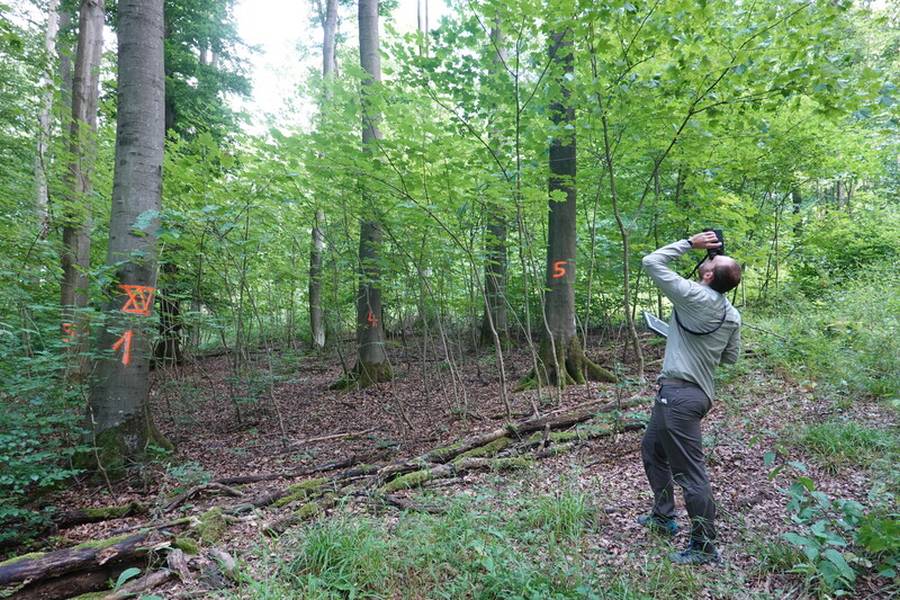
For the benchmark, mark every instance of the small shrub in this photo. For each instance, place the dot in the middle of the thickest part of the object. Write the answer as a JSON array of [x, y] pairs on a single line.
[[34, 458], [837, 539]]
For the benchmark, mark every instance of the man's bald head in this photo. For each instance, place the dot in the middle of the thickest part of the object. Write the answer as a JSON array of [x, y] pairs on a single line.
[[725, 273]]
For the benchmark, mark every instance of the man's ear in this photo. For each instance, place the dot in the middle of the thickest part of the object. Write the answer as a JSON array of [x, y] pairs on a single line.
[[708, 276]]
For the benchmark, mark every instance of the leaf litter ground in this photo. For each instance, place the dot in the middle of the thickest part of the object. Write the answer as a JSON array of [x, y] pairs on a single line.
[[430, 404]]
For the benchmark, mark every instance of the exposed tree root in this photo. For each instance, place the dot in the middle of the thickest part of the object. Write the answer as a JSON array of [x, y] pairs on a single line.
[[575, 367], [363, 375]]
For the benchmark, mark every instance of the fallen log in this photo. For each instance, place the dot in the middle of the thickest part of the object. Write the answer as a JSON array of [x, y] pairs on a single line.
[[71, 584], [417, 478], [84, 556], [80, 516], [143, 584], [345, 463], [519, 428]]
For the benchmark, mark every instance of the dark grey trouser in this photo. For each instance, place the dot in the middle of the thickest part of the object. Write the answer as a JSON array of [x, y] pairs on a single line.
[[672, 450]]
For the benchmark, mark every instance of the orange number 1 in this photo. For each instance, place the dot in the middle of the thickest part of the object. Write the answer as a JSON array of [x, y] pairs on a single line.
[[126, 340]]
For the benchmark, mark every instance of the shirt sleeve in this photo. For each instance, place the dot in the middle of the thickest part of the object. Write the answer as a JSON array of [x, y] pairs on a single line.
[[675, 287], [733, 348]]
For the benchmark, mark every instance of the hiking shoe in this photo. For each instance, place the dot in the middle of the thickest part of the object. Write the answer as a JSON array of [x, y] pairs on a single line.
[[695, 554], [655, 524]]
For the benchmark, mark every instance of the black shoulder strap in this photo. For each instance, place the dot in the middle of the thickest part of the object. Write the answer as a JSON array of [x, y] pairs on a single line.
[[715, 329]]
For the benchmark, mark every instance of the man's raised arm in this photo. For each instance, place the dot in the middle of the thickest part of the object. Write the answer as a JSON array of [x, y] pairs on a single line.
[[673, 285]]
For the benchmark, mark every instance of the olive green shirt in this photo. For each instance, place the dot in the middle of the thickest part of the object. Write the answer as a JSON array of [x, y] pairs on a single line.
[[688, 356]]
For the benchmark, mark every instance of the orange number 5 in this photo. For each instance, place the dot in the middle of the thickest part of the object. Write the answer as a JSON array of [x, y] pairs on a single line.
[[559, 269]]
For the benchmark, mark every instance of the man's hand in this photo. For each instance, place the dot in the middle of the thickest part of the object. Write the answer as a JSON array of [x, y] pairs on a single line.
[[704, 240]]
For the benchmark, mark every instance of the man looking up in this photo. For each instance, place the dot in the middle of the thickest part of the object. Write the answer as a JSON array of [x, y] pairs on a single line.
[[704, 332]]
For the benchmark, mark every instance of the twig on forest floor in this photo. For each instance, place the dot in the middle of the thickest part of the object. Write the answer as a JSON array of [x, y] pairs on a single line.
[[212, 485], [324, 438]]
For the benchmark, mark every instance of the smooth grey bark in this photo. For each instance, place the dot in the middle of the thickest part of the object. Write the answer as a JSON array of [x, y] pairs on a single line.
[[42, 200], [77, 217], [372, 363], [495, 235], [316, 315], [64, 54], [119, 393], [561, 352]]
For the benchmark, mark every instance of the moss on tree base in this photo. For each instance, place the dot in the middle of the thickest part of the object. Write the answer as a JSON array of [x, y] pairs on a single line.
[[118, 447], [575, 367], [363, 375]]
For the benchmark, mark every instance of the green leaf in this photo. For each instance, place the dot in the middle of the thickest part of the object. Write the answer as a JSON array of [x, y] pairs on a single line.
[[145, 219], [798, 540], [837, 559], [125, 575]]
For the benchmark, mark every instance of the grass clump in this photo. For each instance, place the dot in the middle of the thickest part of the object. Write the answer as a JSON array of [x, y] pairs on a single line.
[[345, 557], [836, 444], [564, 515]]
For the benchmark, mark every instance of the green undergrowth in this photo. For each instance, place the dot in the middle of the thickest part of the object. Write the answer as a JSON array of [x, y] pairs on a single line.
[[845, 340], [837, 444], [492, 544]]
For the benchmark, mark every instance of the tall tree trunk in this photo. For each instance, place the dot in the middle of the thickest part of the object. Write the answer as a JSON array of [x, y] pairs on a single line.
[[169, 347], [561, 352], [316, 316], [495, 236], [119, 409], [76, 253], [372, 363], [64, 54], [797, 201], [41, 200]]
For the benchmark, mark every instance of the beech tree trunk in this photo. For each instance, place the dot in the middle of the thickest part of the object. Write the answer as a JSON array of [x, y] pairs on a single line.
[[42, 201], [76, 253], [372, 363], [562, 357], [316, 316], [495, 236], [120, 416]]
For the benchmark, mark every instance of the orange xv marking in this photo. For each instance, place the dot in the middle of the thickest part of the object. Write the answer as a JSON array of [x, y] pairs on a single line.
[[371, 319], [140, 299], [68, 331], [125, 339], [559, 269]]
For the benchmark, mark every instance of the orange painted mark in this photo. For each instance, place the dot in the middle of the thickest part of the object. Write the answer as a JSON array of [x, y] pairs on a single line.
[[68, 332], [126, 340], [373, 322], [140, 299], [559, 269]]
